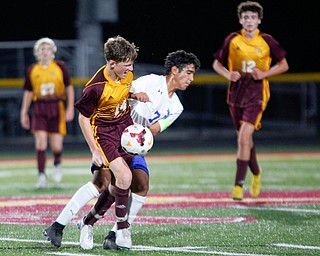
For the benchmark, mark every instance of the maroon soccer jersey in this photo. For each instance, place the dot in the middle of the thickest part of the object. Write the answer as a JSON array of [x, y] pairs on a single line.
[[242, 55], [47, 82], [48, 87], [105, 102]]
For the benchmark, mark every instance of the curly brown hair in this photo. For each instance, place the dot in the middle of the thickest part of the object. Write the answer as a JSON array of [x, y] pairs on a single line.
[[120, 50], [250, 6]]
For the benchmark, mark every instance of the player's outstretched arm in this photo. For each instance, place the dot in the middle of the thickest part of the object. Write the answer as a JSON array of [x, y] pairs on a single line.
[[140, 96]]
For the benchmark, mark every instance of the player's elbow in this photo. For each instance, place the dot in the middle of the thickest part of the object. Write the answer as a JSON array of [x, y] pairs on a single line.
[[215, 65], [284, 65]]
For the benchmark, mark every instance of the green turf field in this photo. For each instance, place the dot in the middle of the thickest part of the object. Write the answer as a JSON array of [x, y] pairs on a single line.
[[186, 192]]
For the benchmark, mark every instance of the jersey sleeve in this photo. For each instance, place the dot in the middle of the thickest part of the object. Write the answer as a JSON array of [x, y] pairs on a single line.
[[223, 52], [137, 114], [66, 76], [27, 82], [276, 51], [175, 111], [166, 122], [89, 99]]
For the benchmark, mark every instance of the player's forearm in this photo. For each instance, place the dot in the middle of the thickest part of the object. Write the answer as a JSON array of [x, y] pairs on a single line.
[[278, 69], [220, 69], [70, 96], [155, 128], [85, 126], [26, 102]]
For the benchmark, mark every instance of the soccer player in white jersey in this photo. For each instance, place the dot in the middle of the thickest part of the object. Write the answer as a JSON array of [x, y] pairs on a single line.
[[162, 109]]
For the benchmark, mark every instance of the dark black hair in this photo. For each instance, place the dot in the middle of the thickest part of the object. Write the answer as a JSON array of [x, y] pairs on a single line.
[[180, 59]]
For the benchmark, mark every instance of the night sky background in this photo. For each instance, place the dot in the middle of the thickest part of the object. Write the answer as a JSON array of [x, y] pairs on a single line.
[[162, 26]]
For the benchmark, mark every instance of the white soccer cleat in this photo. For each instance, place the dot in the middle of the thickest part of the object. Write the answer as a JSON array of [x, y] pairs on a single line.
[[57, 173], [42, 180], [86, 237], [123, 239]]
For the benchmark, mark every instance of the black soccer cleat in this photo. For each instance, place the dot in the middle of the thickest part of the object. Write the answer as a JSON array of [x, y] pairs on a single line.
[[54, 235], [109, 242]]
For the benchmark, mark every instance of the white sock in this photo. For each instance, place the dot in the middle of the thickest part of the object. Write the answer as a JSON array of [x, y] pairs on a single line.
[[136, 202], [84, 194]]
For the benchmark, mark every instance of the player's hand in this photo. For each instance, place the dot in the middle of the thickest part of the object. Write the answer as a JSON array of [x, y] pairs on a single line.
[[98, 159], [140, 96], [25, 121], [257, 74], [234, 76], [69, 114]]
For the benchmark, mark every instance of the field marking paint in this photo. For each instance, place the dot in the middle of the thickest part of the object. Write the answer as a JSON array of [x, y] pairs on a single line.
[[71, 254], [279, 209], [191, 249], [190, 157], [40, 210], [20, 219], [298, 246], [187, 249]]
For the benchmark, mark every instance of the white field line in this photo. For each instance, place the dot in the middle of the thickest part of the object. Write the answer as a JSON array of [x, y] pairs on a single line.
[[308, 247], [187, 249], [71, 254], [193, 250], [279, 209]]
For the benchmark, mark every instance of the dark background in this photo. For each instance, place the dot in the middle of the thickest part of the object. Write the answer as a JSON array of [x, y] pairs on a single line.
[[161, 26]]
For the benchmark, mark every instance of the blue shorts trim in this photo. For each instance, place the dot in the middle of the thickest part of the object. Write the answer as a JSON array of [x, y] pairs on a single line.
[[138, 162]]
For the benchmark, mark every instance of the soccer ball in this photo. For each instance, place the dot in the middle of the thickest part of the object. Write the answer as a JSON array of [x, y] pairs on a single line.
[[137, 139]]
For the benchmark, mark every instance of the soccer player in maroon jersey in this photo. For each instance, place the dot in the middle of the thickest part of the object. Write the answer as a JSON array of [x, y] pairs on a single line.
[[47, 85], [104, 114], [245, 59]]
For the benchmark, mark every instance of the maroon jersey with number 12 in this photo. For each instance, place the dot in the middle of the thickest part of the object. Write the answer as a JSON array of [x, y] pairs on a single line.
[[240, 54]]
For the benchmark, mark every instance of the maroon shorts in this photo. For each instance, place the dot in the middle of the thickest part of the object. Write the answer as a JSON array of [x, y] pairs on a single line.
[[251, 114], [109, 141], [49, 116]]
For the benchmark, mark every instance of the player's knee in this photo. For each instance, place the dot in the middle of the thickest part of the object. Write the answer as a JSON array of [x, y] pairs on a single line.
[[101, 185], [124, 180], [243, 141], [140, 189]]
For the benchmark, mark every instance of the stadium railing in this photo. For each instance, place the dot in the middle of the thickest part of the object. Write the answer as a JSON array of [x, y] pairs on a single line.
[[294, 104]]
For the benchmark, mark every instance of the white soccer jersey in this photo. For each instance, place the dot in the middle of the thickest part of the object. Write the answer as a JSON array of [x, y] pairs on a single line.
[[160, 105]]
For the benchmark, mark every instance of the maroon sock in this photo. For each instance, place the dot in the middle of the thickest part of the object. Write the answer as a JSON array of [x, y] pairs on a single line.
[[57, 158], [103, 203], [241, 172], [121, 206], [253, 162], [41, 160]]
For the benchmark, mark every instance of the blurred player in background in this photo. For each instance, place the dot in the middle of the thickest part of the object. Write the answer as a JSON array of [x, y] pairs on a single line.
[[163, 108], [47, 85], [104, 114], [245, 59]]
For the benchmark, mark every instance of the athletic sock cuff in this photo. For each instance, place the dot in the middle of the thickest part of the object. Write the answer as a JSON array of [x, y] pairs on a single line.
[[138, 198], [93, 189]]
